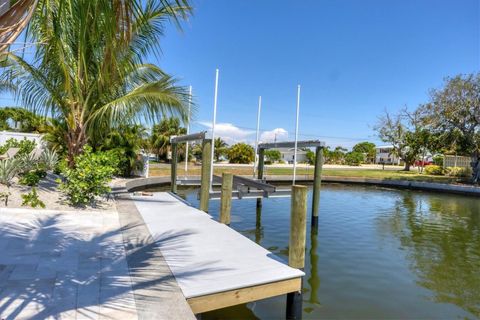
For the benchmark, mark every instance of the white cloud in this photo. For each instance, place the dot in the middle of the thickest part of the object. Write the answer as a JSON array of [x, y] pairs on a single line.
[[229, 132], [277, 134]]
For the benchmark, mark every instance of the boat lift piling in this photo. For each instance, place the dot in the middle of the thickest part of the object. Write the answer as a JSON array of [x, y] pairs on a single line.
[[296, 248], [206, 145], [317, 178]]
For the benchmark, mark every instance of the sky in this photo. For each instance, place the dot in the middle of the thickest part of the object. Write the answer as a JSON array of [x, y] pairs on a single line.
[[354, 59]]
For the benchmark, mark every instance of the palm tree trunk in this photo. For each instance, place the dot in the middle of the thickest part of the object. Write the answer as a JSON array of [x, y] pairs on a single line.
[[76, 140]]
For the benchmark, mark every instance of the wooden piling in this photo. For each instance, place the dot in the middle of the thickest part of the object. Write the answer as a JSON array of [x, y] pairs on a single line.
[[317, 183], [173, 170], [298, 227], [205, 177], [296, 249], [261, 165], [226, 198]]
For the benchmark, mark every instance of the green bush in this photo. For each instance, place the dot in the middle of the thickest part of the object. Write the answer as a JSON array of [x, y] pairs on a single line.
[[90, 176], [434, 170], [458, 172], [438, 160], [354, 158], [25, 146], [32, 178], [310, 157], [31, 199], [273, 155], [241, 153]]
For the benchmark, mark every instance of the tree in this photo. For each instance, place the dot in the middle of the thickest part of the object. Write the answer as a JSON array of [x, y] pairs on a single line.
[[89, 67], [241, 153], [273, 155], [311, 156], [366, 148], [22, 120], [454, 111], [354, 158], [161, 133], [221, 148], [127, 142], [404, 131]]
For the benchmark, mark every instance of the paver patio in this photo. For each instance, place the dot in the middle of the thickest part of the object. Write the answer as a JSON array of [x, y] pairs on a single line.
[[63, 265]]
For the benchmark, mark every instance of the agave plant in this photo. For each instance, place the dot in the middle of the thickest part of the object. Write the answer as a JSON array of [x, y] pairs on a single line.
[[49, 159], [26, 163], [89, 70], [8, 171]]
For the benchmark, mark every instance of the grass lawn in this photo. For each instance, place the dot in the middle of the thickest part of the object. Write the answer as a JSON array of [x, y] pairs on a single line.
[[363, 173]]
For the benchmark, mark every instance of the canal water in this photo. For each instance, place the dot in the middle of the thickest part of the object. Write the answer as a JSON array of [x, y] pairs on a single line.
[[379, 254]]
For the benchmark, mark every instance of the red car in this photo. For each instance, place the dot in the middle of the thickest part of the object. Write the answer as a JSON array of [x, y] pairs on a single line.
[[420, 163]]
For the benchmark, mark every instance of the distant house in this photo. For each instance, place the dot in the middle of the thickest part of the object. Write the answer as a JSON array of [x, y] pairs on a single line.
[[288, 155], [384, 155]]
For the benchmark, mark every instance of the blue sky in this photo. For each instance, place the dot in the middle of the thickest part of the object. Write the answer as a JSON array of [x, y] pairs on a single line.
[[353, 59]]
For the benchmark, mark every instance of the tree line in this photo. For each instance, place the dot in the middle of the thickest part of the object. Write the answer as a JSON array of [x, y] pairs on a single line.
[[448, 123]]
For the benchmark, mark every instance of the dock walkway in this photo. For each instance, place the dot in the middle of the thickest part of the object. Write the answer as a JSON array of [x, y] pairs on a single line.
[[214, 265]]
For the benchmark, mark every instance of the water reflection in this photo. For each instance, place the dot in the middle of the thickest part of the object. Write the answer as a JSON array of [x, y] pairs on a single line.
[[314, 278], [442, 238]]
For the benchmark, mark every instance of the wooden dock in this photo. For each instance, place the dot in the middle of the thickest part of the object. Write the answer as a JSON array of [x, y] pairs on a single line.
[[214, 266]]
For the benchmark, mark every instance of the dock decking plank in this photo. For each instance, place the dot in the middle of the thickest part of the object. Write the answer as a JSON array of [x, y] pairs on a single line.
[[207, 257]]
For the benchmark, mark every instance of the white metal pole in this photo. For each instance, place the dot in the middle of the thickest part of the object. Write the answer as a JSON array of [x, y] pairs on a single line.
[[188, 128], [213, 127], [296, 136], [256, 140]]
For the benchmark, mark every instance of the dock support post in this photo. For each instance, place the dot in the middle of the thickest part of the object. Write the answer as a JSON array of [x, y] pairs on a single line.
[[261, 164], [173, 170], [296, 251], [205, 188], [317, 183], [226, 198]]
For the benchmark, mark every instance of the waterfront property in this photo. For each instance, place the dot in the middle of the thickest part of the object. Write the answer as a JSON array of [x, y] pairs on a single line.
[[384, 154]]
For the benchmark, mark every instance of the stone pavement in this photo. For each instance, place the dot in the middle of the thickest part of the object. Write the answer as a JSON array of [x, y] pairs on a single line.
[[63, 265]]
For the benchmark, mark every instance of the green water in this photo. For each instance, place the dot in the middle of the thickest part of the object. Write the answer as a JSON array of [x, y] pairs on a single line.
[[378, 254]]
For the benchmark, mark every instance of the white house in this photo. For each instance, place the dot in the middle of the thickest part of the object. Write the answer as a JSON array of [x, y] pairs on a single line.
[[288, 155], [384, 155]]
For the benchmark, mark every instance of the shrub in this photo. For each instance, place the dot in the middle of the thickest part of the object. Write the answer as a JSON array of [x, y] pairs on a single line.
[[354, 158], [8, 170], [90, 176], [32, 178], [25, 146], [241, 153], [458, 172], [438, 160], [31, 199], [310, 157], [434, 170], [273, 155]]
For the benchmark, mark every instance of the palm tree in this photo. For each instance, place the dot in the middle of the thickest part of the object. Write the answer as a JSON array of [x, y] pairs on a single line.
[[89, 67], [220, 148], [161, 133], [128, 142]]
